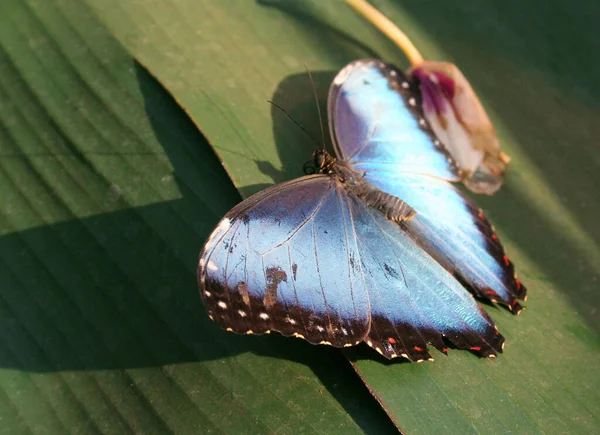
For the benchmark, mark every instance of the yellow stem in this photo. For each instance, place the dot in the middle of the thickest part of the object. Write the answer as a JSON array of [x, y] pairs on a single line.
[[381, 22]]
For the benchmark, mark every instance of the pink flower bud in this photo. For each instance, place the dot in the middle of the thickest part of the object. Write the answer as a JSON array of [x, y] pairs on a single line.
[[460, 122]]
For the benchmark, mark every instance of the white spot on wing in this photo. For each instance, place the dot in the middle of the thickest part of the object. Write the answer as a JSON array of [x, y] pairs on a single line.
[[412, 101], [212, 266], [222, 304], [263, 316], [343, 75], [207, 293], [241, 313]]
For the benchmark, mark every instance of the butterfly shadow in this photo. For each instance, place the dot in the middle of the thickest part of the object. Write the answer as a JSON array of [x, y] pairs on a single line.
[[296, 96], [118, 290], [296, 122]]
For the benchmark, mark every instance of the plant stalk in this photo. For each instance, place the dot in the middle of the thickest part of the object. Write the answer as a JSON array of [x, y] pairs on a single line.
[[388, 28]]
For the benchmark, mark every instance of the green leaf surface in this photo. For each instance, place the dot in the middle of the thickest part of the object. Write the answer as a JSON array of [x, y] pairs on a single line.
[[149, 356], [222, 60], [107, 193]]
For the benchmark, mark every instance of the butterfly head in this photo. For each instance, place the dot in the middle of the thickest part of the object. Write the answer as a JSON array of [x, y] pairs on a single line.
[[323, 161]]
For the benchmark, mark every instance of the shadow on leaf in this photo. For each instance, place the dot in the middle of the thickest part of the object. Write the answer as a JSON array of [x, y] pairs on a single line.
[[118, 290]]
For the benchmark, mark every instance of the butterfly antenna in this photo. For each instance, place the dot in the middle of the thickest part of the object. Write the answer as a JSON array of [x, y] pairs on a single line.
[[294, 121], [314, 88]]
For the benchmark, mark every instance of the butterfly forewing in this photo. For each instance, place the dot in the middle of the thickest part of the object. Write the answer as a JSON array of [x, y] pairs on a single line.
[[285, 263]]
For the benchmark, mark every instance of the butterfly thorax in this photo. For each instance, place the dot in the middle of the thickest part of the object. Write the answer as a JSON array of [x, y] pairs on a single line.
[[392, 207]]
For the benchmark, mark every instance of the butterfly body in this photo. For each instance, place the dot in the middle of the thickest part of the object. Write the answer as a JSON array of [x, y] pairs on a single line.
[[392, 207], [341, 258]]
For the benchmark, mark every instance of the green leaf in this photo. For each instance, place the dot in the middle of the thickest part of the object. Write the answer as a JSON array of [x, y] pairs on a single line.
[[222, 60], [107, 193], [100, 313]]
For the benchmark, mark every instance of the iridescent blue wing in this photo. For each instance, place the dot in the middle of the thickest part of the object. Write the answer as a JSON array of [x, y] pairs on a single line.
[[308, 258], [376, 124], [456, 233], [413, 300], [378, 130], [281, 260]]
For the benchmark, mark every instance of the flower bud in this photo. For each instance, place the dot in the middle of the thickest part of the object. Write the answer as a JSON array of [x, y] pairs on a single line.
[[460, 122]]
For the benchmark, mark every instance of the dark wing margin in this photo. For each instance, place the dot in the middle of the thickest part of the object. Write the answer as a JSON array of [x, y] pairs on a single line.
[[282, 261]]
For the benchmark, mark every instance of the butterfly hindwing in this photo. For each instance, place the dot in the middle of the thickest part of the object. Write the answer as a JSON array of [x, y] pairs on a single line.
[[414, 302], [380, 133], [456, 233], [309, 258]]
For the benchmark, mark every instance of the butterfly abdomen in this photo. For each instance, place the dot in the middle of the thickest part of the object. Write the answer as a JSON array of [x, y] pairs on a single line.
[[392, 207]]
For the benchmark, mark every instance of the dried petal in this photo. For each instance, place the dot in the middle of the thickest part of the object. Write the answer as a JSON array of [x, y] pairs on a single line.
[[459, 120]]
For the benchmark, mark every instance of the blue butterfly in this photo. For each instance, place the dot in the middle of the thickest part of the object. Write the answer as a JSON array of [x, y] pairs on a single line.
[[372, 248]]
